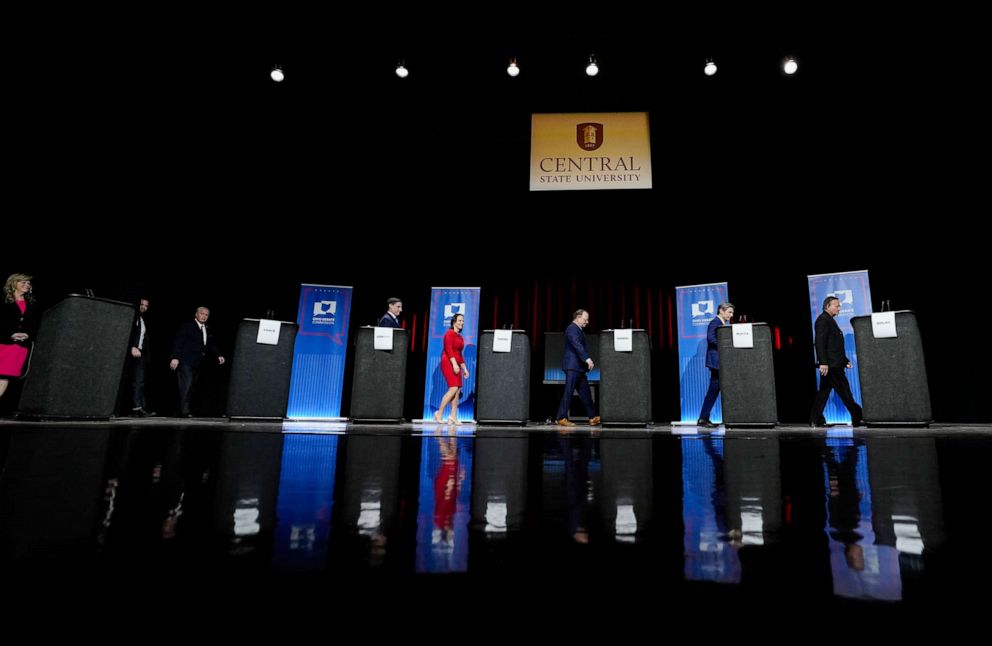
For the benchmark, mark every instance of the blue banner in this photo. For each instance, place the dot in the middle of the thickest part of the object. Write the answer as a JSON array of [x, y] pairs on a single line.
[[445, 303], [855, 300], [321, 347], [695, 307]]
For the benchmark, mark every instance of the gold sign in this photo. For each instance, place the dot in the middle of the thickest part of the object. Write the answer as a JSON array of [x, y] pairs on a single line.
[[575, 152]]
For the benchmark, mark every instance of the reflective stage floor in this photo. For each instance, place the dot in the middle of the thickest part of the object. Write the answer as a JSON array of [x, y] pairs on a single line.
[[885, 523]]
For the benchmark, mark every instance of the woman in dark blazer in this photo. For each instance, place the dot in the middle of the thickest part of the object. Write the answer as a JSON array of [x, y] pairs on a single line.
[[18, 316]]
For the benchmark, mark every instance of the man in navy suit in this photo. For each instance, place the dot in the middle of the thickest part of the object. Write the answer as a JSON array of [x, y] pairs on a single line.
[[724, 313], [576, 363], [193, 342], [392, 317], [832, 361]]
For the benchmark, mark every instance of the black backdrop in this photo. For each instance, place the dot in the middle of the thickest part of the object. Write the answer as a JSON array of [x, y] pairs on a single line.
[[187, 175]]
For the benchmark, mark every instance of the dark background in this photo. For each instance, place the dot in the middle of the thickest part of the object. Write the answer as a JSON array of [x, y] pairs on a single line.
[[169, 164]]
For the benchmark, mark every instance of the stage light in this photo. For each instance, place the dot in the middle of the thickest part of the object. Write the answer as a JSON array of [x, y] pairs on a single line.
[[276, 74], [592, 69], [513, 70], [710, 68], [790, 66]]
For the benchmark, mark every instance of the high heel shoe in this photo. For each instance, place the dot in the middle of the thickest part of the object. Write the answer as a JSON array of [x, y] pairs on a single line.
[[437, 417], [454, 420]]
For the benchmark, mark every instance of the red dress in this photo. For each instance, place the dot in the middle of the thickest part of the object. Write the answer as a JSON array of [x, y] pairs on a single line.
[[12, 356], [453, 344]]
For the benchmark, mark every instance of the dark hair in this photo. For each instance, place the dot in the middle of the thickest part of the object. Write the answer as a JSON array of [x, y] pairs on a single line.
[[455, 318], [394, 300], [577, 313], [826, 301]]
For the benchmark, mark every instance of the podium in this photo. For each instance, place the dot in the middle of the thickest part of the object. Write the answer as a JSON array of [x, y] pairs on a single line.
[[625, 380], [260, 372], [893, 374], [378, 389], [504, 379], [78, 359], [747, 379]]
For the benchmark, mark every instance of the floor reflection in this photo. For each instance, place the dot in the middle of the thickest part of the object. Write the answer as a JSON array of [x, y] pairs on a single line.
[[841, 516]]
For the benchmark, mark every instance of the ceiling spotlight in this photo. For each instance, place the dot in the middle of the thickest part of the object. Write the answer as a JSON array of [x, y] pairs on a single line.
[[401, 71], [513, 70], [592, 69], [790, 66], [276, 74], [710, 68]]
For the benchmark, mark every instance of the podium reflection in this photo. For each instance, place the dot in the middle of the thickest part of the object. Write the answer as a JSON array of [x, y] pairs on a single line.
[[370, 499]]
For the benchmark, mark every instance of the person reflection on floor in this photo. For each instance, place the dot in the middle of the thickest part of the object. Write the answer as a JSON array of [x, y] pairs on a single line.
[[576, 452], [843, 503], [447, 484]]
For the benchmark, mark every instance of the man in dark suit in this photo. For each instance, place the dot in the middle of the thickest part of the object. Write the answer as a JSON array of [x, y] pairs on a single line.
[[725, 312], [139, 344], [832, 361], [576, 363], [193, 342], [392, 317]]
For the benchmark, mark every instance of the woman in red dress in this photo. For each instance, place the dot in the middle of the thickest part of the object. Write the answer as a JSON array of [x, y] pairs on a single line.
[[16, 327], [453, 368]]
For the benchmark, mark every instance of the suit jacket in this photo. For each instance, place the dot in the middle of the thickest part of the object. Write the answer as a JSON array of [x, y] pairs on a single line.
[[387, 320], [12, 321], [712, 354], [189, 347], [576, 352], [829, 342]]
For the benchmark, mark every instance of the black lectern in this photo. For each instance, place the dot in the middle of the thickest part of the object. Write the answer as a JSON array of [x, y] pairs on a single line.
[[78, 359], [747, 378], [504, 379], [379, 386], [625, 380], [893, 374], [260, 372]]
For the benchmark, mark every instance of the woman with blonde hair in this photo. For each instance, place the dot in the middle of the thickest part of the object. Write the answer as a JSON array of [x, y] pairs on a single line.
[[17, 327]]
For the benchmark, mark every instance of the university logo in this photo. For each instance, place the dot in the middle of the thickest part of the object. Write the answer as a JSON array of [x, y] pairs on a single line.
[[589, 136]]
